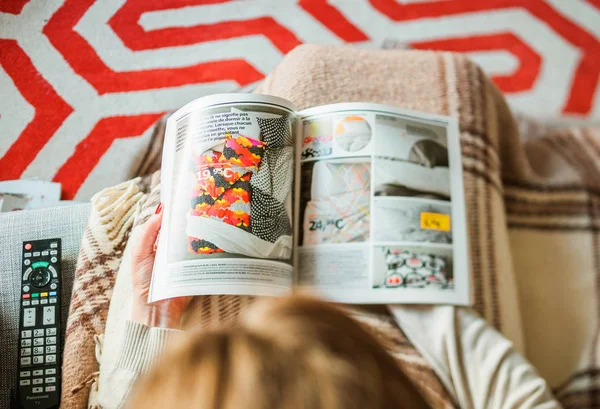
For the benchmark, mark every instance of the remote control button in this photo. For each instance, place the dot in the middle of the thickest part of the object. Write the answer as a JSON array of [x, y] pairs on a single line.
[[25, 351], [26, 295], [26, 303], [38, 390], [38, 332], [38, 342], [27, 273], [35, 295], [35, 302], [27, 262], [52, 300], [51, 332], [29, 317], [44, 301], [51, 341], [38, 350], [24, 382], [50, 359], [36, 254], [53, 245], [26, 361], [54, 259], [44, 295], [38, 381], [51, 371], [25, 374], [49, 315], [28, 246], [53, 252], [53, 271], [26, 289], [39, 372], [50, 388], [40, 264], [51, 379], [38, 359], [45, 253], [26, 333], [40, 277], [51, 349], [27, 255], [53, 287], [53, 293], [26, 342]]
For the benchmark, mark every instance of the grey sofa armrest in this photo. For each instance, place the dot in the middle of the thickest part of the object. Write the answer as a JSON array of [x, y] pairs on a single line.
[[66, 222]]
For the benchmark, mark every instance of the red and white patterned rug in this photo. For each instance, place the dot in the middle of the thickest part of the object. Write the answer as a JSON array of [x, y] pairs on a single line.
[[81, 82]]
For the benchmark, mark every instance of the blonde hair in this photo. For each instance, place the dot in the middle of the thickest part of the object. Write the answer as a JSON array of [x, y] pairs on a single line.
[[288, 353]]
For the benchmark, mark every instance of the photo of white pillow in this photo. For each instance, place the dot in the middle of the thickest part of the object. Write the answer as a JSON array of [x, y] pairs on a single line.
[[353, 133]]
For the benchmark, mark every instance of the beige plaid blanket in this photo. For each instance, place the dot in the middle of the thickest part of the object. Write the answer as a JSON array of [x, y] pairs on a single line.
[[533, 209]]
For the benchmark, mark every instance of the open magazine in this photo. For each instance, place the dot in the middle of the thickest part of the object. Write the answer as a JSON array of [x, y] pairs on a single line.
[[354, 202]]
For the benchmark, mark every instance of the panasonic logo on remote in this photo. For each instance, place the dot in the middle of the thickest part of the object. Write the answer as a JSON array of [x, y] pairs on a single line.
[[37, 397]]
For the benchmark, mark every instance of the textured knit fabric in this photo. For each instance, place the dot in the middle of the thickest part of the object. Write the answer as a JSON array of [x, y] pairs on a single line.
[[556, 219], [140, 349], [112, 216], [222, 190], [273, 182], [120, 305], [276, 173], [270, 219], [65, 222], [275, 132]]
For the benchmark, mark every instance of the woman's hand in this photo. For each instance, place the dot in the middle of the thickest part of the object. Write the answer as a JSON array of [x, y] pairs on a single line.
[[166, 313]]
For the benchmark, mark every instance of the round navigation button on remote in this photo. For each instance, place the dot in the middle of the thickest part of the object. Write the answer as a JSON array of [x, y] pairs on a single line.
[[40, 277], [54, 259], [26, 289], [53, 286], [27, 262], [28, 246]]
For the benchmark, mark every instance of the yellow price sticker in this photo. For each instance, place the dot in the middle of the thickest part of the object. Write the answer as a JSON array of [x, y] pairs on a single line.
[[435, 221]]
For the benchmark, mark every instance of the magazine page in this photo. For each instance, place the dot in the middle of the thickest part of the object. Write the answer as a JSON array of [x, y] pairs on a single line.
[[226, 188], [381, 212]]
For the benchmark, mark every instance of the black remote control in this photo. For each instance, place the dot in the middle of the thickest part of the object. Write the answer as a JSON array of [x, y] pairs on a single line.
[[38, 376]]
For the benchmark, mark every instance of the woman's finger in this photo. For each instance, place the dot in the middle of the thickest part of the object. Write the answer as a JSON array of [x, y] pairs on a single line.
[[155, 246], [149, 233]]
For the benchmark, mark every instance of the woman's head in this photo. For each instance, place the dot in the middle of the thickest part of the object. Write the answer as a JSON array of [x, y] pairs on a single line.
[[287, 353]]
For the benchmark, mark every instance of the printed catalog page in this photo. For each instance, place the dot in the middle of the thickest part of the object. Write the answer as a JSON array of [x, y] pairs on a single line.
[[381, 206], [227, 179]]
